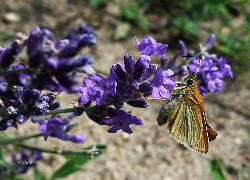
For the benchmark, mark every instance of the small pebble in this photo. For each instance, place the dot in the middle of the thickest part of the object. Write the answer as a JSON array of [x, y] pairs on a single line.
[[12, 17]]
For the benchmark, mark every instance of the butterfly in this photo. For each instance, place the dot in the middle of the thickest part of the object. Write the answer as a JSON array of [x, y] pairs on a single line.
[[185, 116]]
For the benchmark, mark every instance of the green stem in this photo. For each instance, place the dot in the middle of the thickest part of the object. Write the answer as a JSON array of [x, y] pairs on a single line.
[[14, 71], [68, 110], [63, 152], [11, 72], [59, 111], [101, 72], [7, 141], [36, 148]]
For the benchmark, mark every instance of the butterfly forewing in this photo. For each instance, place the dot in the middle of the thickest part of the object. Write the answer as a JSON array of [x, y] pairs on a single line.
[[202, 145], [168, 112], [178, 114]]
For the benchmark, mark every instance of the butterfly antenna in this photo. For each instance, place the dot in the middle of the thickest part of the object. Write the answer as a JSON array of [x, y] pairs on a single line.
[[198, 65], [167, 59], [174, 58], [195, 72]]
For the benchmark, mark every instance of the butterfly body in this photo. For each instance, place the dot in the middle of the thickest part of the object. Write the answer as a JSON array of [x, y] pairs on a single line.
[[185, 116]]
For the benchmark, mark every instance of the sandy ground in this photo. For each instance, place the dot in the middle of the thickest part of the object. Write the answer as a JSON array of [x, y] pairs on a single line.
[[150, 152]]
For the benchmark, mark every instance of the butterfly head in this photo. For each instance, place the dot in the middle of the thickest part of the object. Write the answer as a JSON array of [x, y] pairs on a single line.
[[190, 78], [187, 80]]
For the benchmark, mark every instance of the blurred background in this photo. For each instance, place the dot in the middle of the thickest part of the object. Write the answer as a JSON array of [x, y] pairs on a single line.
[[150, 152]]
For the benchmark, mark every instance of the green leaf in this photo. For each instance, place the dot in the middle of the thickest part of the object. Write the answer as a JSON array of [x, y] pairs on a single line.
[[9, 167], [226, 50], [73, 164], [216, 170], [38, 175], [248, 138], [96, 3], [183, 25], [3, 136], [4, 163], [142, 22], [1, 154]]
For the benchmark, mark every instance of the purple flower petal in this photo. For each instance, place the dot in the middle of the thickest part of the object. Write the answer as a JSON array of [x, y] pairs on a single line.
[[167, 73], [149, 46], [59, 133], [157, 79], [47, 134], [103, 96], [80, 139], [99, 79], [164, 93], [161, 49], [85, 98], [43, 127], [122, 120]]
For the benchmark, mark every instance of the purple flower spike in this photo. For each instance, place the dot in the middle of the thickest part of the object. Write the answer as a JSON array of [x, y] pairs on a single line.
[[121, 74], [26, 160], [7, 57], [183, 48], [149, 46], [129, 63], [162, 84], [34, 40], [210, 40], [53, 128], [122, 120]]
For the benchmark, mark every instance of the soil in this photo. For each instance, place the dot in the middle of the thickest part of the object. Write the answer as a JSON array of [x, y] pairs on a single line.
[[150, 152]]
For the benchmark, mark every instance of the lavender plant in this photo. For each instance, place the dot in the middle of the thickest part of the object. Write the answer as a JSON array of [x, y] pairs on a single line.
[[29, 87]]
